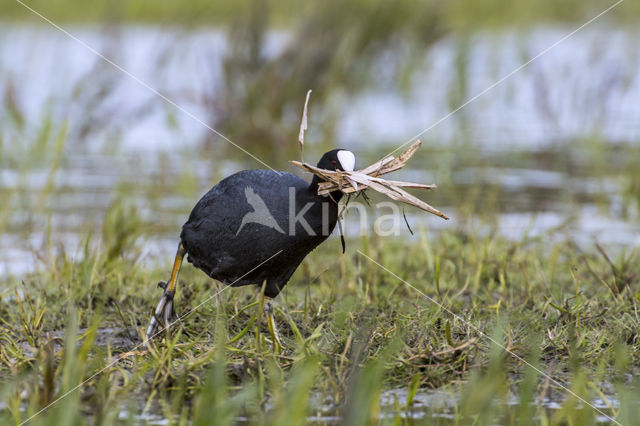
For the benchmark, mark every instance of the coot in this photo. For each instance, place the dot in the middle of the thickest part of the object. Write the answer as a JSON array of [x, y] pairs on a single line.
[[255, 227]]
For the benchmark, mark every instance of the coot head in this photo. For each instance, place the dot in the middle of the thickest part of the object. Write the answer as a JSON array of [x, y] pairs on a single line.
[[336, 159]]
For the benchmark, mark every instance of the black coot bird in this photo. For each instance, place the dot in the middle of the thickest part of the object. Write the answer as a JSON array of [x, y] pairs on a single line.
[[255, 227]]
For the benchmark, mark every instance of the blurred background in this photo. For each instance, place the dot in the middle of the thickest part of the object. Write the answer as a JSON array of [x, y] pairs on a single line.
[[87, 154]]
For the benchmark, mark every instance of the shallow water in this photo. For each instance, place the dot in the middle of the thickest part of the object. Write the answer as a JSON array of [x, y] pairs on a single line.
[[437, 405], [587, 85]]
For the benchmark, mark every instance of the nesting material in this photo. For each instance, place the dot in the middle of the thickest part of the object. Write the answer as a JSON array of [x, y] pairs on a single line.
[[369, 178]]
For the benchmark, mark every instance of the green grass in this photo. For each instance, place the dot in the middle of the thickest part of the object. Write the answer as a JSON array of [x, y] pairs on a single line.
[[350, 331], [70, 331], [456, 13]]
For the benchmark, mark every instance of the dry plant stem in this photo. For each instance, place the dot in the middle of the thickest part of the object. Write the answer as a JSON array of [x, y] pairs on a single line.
[[369, 178]]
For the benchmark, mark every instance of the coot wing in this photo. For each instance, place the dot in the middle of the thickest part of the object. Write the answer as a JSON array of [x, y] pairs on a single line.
[[229, 232]]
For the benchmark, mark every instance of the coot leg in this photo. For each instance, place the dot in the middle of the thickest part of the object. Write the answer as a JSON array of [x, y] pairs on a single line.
[[271, 324], [164, 313]]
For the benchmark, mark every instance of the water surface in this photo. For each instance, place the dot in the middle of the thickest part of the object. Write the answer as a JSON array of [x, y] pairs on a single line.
[[553, 145]]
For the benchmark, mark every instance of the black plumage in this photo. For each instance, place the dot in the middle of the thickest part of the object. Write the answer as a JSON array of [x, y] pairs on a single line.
[[253, 227], [215, 246]]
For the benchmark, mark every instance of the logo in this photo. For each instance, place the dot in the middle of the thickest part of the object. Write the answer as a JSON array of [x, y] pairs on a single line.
[[384, 224], [260, 213]]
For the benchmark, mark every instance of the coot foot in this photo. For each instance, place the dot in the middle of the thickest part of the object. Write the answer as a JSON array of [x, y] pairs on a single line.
[[164, 315]]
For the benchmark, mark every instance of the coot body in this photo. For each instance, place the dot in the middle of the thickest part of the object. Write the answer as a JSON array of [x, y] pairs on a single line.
[[223, 245]]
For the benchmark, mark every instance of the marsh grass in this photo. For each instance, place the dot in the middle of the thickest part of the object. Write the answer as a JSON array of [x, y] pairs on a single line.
[[350, 331]]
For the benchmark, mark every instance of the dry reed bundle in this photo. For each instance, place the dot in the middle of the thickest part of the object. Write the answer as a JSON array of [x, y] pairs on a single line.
[[369, 177]]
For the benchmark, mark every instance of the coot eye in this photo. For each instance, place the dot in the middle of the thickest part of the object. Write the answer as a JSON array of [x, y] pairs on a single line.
[[334, 162]]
